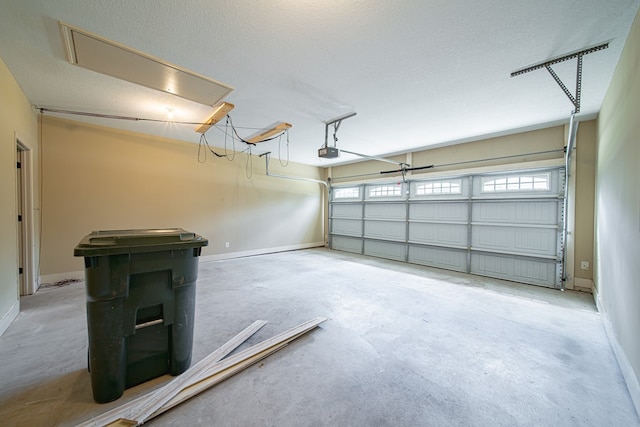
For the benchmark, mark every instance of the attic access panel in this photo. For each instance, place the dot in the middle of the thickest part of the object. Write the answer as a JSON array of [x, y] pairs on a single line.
[[107, 57]]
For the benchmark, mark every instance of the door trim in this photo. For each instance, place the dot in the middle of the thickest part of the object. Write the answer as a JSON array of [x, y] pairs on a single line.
[[28, 223]]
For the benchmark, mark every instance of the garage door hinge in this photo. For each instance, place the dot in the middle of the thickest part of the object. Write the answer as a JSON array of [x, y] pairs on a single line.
[[19, 165], [19, 218], [20, 270]]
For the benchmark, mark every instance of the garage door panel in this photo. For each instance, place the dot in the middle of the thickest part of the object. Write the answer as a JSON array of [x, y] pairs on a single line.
[[439, 212], [439, 234], [535, 272], [389, 250], [350, 227], [503, 224], [346, 210], [525, 241], [346, 244], [385, 211], [517, 212], [385, 230], [438, 257]]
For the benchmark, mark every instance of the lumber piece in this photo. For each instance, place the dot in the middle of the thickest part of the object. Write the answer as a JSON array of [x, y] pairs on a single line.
[[214, 379], [165, 393], [123, 413], [236, 363]]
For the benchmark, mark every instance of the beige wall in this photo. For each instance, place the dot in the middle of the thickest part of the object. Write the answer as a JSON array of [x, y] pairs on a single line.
[[501, 148], [17, 119], [98, 178], [456, 157], [617, 273], [585, 175]]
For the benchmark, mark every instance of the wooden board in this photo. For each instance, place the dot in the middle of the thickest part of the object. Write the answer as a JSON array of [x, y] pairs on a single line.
[[229, 367], [226, 368], [205, 374], [126, 411]]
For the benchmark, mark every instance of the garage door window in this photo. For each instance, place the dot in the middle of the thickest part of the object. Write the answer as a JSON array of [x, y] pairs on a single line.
[[439, 187], [385, 191], [346, 193], [515, 183]]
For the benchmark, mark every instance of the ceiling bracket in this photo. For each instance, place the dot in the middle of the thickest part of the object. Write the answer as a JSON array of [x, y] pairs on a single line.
[[575, 99], [336, 125], [333, 152]]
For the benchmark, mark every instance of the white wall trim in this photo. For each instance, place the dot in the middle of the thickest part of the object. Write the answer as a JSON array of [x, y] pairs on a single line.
[[631, 380], [6, 320], [29, 217], [231, 255], [53, 278], [79, 275]]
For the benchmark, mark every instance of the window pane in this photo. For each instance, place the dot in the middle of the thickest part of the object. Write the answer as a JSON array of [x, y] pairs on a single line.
[[516, 183], [346, 193], [385, 191], [438, 187]]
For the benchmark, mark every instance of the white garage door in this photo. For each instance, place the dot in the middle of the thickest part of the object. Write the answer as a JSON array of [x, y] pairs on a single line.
[[506, 225]]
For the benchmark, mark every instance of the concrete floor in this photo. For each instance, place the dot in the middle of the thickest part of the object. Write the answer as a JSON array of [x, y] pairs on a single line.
[[404, 346]]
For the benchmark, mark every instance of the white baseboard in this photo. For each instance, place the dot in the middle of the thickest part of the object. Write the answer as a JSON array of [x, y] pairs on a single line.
[[79, 275], [241, 254], [9, 317], [630, 377], [58, 277]]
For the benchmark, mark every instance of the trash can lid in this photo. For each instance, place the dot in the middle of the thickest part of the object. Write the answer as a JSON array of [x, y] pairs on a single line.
[[111, 242]]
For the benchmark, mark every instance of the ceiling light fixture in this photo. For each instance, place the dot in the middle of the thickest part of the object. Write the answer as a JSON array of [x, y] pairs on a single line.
[[219, 113], [268, 133]]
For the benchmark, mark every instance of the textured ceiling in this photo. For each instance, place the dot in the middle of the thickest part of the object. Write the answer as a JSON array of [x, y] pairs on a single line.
[[418, 73]]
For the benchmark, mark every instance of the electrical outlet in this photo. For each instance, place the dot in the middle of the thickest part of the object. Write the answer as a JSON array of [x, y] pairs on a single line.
[[226, 244], [584, 265]]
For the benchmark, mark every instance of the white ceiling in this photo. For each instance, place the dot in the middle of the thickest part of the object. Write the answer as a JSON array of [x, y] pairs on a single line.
[[418, 73]]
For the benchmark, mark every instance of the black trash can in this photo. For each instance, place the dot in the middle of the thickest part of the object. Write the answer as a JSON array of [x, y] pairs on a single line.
[[140, 287]]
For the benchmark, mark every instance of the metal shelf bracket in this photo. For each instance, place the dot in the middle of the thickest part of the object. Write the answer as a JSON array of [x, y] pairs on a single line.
[[575, 99]]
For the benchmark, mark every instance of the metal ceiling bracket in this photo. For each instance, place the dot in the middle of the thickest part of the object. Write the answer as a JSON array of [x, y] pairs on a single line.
[[336, 125], [575, 100]]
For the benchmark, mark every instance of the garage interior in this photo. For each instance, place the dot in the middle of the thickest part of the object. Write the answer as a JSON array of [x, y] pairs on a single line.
[[404, 345], [470, 232]]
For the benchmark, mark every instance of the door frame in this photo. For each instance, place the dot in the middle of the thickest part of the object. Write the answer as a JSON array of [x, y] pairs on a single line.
[[29, 282]]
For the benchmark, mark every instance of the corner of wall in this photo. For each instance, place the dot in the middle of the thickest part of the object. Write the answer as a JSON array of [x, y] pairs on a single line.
[[630, 378], [9, 317]]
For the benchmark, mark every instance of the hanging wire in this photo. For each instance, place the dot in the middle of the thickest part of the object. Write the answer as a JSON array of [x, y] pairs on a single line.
[[233, 141], [285, 164], [244, 140], [202, 153], [204, 143], [249, 166]]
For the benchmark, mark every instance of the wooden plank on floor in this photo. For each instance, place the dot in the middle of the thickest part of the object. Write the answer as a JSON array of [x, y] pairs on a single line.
[[231, 366], [124, 412], [163, 394], [234, 364]]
